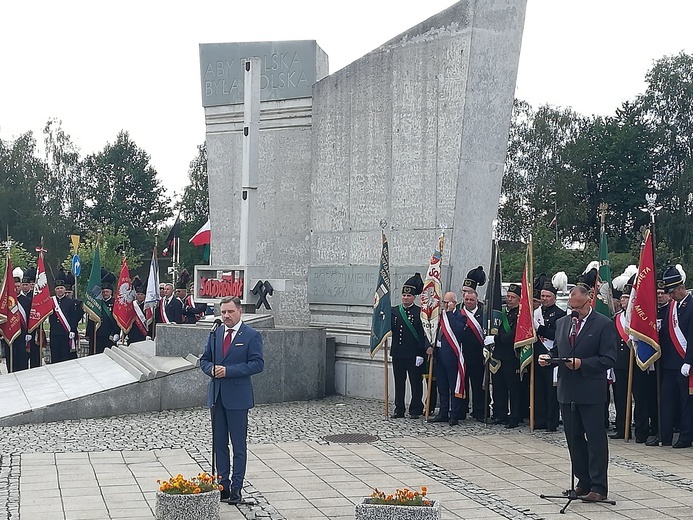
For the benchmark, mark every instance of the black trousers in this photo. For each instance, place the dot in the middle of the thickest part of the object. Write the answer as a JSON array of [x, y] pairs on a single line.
[[645, 397], [506, 383], [545, 398], [445, 367], [60, 349], [675, 396], [587, 444], [474, 384], [401, 369], [20, 357]]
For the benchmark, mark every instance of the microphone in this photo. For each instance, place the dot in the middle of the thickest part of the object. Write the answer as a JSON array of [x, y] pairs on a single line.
[[573, 323], [217, 322]]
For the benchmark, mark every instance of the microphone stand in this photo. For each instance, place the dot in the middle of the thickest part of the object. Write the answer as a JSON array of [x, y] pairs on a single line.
[[212, 336]]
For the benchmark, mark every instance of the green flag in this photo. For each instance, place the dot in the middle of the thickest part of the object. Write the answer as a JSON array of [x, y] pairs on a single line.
[[604, 301], [381, 327], [92, 301]]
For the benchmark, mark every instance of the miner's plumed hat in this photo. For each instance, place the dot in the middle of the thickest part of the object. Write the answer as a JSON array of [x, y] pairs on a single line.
[[139, 285], [413, 285], [69, 280], [183, 279], [17, 274], [588, 279], [474, 278], [539, 285], [672, 278], [59, 280], [629, 286], [515, 288], [107, 279], [29, 275]]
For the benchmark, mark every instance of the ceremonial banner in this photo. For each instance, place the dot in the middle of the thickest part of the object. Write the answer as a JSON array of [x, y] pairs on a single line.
[[10, 316], [525, 335], [41, 303], [152, 296], [431, 295], [494, 305], [92, 300], [603, 297], [123, 312], [203, 235], [171, 238], [381, 327], [641, 315]]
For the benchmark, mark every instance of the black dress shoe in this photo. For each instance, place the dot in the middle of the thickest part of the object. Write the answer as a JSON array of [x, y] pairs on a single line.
[[225, 494], [640, 440], [439, 418], [511, 425], [397, 416], [235, 497], [654, 441], [682, 444], [453, 422], [552, 429], [500, 421], [617, 435], [414, 416]]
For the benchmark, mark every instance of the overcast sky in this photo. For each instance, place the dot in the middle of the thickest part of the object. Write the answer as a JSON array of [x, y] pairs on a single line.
[[105, 66]]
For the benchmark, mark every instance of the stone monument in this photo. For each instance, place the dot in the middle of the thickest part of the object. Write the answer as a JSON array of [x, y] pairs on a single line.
[[413, 133]]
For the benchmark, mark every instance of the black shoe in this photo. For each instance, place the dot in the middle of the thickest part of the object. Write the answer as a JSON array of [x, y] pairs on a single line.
[[539, 426], [439, 418], [453, 422], [397, 416], [682, 444], [235, 497], [414, 416], [552, 429], [654, 441], [640, 440], [225, 494], [617, 435], [511, 425], [500, 421]]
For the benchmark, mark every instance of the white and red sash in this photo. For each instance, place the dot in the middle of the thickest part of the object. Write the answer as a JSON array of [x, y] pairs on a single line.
[[621, 327], [476, 326], [677, 337], [63, 321], [162, 311], [455, 346], [140, 319]]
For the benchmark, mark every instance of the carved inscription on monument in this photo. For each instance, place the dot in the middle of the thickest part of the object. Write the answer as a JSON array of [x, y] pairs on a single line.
[[288, 70], [355, 284]]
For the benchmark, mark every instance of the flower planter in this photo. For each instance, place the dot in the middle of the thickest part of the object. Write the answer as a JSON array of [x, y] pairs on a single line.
[[368, 511], [203, 506]]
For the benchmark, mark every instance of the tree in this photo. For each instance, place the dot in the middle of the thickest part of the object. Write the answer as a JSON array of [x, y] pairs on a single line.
[[123, 192], [19, 255], [194, 209]]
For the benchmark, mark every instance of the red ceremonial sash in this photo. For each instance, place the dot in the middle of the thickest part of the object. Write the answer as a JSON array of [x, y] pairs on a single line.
[[621, 327], [140, 320], [63, 321], [452, 341], [476, 327], [162, 311], [677, 338]]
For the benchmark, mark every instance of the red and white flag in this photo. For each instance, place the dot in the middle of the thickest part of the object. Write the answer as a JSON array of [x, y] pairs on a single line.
[[123, 312], [203, 235], [41, 303], [431, 295], [10, 314]]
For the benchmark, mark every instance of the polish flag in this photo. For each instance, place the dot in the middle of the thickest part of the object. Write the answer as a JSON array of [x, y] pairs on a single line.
[[203, 235]]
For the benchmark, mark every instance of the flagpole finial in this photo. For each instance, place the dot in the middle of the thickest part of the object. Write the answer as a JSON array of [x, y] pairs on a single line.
[[603, 206], [383, 224]]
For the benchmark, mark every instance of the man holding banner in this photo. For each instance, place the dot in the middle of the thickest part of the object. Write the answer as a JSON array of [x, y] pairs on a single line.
[[64, 336]]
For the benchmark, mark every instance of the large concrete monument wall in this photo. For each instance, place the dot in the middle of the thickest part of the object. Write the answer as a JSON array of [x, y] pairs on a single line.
[[413, 134]]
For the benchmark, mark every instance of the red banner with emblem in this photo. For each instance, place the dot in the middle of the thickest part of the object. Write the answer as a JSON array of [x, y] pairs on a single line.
[[10, 315], [41, 303]]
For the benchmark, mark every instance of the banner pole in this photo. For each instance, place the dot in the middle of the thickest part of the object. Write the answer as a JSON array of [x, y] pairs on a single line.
[[531, 365], [387, 369]]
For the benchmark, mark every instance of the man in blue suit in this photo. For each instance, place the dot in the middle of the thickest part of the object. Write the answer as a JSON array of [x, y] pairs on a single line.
[[233, 354]]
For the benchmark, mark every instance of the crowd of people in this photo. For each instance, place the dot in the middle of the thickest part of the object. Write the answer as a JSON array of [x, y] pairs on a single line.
[[63, 334]]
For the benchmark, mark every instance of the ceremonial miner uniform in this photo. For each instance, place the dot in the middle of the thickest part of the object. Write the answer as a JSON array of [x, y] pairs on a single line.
[[63, 321], [408, 349]]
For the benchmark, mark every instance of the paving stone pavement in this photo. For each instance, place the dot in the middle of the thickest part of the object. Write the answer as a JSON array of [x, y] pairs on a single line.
[[107, 468]]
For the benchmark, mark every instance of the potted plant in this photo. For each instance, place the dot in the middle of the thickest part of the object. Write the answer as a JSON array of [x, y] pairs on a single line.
[[193, 499], [404, 504]]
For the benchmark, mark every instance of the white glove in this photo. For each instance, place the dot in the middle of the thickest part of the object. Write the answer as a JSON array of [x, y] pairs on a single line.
[[487, 353], [71, 335], [536, 324], [27, 337], [419, 361], [489, 340], [685, 370], [116, 337], [148, 338]]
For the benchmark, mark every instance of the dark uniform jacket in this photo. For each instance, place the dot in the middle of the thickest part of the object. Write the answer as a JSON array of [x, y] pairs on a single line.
[[504, 349], [551, 316], [472, 346], [404, 343], [108, 326], [72, 309], [174, 310], [191, 313], [135, 333], [670, 357], [595, 345]]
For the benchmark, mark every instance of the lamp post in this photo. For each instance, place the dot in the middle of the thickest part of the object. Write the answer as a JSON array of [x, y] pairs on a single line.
[[555, 213]]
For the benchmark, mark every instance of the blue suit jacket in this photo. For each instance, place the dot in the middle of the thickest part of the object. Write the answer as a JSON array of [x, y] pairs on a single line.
[[243, 359]]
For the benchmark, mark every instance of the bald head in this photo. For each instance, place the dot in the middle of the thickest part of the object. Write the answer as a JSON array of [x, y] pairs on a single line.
[[449, 301]]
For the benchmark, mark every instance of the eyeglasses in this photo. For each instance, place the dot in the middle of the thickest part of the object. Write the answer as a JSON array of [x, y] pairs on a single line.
[[448, 301]]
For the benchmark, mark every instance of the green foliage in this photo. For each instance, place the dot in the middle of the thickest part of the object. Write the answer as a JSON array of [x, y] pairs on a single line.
[[194, 210], [19, 255], [112, 246]]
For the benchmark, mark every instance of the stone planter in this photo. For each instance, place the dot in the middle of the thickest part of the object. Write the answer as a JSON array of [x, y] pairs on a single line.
[[203, 506], [367, 511]]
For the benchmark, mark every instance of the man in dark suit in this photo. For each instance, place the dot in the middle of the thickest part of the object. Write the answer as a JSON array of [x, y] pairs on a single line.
[[408, 348], [170, 309], [506, 380], [64, 336], [232, 355], [589, 339]]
